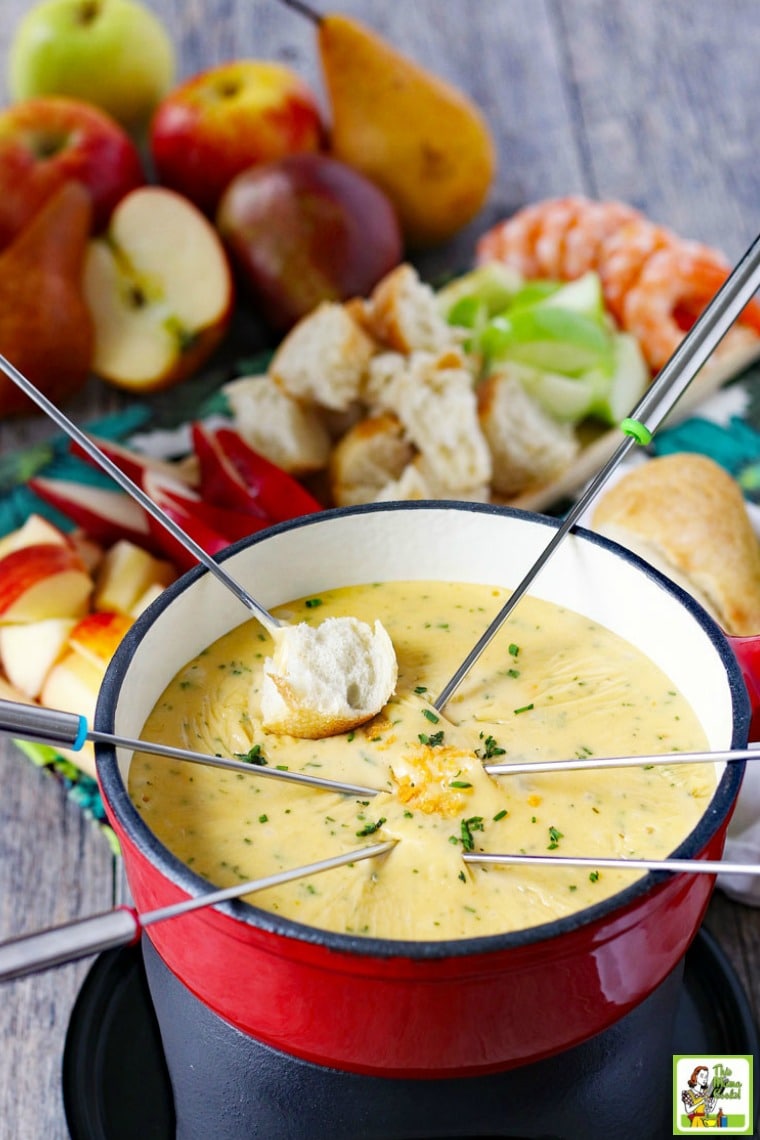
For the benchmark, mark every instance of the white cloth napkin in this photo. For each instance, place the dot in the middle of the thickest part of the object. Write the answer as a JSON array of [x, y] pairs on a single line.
[[743, 839]]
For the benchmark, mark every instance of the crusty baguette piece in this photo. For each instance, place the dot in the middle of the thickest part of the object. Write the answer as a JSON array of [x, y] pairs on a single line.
[[402, 314], [368, 457], [685, 515], [326, 679], [283, 430], [323, 358]]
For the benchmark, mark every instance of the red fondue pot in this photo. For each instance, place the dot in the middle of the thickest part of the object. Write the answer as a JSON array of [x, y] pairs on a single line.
[[425, 1009]]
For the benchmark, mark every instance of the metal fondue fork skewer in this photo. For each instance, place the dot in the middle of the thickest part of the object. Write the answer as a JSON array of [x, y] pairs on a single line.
[[669, 385], [675, 866], [122, 926], [52, 726], [69, 730], [269, 621]]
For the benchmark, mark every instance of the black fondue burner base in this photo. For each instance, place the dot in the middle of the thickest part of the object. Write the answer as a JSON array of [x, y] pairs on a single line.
[[116, 1082]]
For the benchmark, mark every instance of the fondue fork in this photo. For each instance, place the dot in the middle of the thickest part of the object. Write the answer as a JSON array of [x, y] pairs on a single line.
[[122, 926], [675, 866], [69, 730], [269, 621], [639, 427]]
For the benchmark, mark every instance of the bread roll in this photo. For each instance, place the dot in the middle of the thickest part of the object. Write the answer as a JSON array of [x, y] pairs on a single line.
[[686, 516]]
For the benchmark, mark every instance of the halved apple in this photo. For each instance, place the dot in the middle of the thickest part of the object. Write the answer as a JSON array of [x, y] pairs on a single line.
[[43, 581], [28, 652], [160, 290], [125, 574]]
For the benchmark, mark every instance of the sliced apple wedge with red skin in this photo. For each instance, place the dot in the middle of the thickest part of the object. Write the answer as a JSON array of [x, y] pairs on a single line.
[[97, 636], [213, 528], [131, 463], [280, 495], [48, 580], [29, 651], [34, 530], [105, 515], [220, 481]]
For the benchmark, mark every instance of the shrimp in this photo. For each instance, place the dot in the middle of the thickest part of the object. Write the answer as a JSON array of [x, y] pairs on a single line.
[[674, 286], [558, 238], [559, 218], [622, 256], [513, 241], [592, 228]]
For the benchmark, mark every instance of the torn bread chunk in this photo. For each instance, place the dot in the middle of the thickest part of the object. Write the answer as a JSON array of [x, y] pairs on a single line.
[[324, 358], [435, 401], [326, 679], [402, 313], [368, 457], [410, 486], [528, 446], [283, 430]]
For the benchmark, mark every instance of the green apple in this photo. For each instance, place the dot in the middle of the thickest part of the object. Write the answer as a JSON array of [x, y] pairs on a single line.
[[566, 398], [113, 53], [555, 339], [619, 388]]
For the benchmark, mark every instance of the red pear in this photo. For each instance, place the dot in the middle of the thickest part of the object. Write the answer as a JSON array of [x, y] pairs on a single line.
[[46, 330]]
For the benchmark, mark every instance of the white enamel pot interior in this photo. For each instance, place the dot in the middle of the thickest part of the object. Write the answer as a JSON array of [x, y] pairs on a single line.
[[486, 1003]]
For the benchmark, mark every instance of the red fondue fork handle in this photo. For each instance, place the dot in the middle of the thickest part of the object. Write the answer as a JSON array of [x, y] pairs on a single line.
[[122, 926]]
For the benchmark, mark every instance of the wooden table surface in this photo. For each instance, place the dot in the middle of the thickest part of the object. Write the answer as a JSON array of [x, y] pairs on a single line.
[[653, 103]]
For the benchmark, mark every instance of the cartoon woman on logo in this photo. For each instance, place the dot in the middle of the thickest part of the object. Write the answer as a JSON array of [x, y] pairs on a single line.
[[698, 1100]]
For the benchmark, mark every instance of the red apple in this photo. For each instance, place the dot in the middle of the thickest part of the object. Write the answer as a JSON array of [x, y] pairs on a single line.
[[106, 516], [34, 530], [73, 685], [47, 580], [47, 141], [97, 636], [133, 463], [159, 287], [28, 652], [124, 575], [306, 229], [220, 122]]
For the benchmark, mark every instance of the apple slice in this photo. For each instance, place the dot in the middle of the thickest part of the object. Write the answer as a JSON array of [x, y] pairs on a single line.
[[125, 574], [146, 600], [97, 636], [159, 287], [28, 652], [106, 516], [43, 581], [73, 685], [90, 551], [132, 463], [34, 530], [212, 528]]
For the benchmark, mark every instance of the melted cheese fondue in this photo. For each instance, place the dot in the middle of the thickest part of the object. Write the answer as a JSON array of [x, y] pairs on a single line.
[[552, 684]]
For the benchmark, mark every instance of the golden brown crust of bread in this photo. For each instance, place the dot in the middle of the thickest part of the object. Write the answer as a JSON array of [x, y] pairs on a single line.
[[687, 512]]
